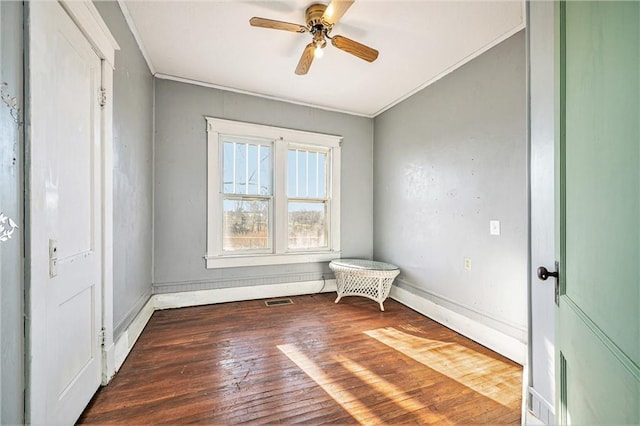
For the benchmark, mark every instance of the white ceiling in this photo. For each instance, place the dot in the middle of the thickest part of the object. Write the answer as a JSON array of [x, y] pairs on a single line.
[[211, 42]]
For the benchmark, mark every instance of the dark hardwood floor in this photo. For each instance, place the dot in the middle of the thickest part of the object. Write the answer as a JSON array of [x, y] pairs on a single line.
[[310, 362]]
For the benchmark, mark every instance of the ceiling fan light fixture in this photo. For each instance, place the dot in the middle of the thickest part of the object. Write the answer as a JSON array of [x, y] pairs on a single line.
[[319, 43]]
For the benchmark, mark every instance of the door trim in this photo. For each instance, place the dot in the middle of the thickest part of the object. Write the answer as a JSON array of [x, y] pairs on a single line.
[[88, 19]]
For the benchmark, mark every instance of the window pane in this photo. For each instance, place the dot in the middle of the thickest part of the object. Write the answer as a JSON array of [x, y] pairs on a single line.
[[265, 170], [240, 168], [292, 173], [313, 175], [306, 174], [245, 225], [247, 168], [307, 225], [252, 170], [227, 176], [303, 177], [322, 183]]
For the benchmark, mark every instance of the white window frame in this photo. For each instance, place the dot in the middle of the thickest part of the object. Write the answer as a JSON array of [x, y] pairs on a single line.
[[282, 139]]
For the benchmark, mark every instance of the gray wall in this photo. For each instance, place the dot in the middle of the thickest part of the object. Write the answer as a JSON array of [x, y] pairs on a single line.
[[181, 178], [447, 161], [543, 252], [11, 171], [132, 174]]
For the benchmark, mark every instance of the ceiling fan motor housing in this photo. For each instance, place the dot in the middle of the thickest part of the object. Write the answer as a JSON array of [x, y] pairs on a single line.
[[313, 15]]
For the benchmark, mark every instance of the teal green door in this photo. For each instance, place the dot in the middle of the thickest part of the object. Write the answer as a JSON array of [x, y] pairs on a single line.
[[598, 343]]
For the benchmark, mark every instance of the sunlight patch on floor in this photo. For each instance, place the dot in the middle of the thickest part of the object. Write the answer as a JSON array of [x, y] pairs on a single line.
[[392, 392], [346, 399], [464, 365]]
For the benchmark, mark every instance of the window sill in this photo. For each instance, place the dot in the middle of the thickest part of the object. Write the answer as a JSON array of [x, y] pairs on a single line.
[[213, 262]]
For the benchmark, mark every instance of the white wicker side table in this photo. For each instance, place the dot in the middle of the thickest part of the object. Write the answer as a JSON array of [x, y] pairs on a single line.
[[367, 278]]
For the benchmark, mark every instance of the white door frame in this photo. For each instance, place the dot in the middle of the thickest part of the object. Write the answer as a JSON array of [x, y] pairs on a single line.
[[86, 17], [540, 396]]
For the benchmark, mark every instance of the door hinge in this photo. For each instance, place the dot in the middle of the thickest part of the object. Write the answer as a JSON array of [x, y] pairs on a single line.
[[102, 97], [102, 336]]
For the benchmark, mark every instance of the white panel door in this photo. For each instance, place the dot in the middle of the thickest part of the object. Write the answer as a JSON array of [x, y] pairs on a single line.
[[64, 205]]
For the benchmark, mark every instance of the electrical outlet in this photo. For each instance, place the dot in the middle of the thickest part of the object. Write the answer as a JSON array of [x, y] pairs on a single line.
[[467, 263]]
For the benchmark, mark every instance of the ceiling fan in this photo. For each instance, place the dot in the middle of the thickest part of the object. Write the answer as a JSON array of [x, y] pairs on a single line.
[[320, 19]]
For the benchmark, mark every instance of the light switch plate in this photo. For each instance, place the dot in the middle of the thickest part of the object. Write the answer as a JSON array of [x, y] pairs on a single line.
[[494, 227], [53, 258]]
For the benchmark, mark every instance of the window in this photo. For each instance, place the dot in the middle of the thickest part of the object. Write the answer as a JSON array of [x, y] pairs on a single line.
[[273, 195], [307, 199], [247, 194]]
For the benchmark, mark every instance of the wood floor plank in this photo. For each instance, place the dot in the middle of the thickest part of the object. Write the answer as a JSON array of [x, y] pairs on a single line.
[[310, 362]]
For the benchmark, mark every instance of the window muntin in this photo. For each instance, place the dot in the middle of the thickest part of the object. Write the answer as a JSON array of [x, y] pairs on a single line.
[[254, 215]]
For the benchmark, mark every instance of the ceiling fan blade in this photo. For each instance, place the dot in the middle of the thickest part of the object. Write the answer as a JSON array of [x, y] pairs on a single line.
[[277, 25], [355, 48], [335, 10], [305, 60]]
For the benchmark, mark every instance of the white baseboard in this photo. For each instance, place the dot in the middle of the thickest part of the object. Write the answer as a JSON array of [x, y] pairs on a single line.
[[495, 340], [129, 337], [119, 351], [236, 294]]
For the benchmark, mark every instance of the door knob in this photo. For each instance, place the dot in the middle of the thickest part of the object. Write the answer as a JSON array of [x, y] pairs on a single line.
[[543, 273]]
